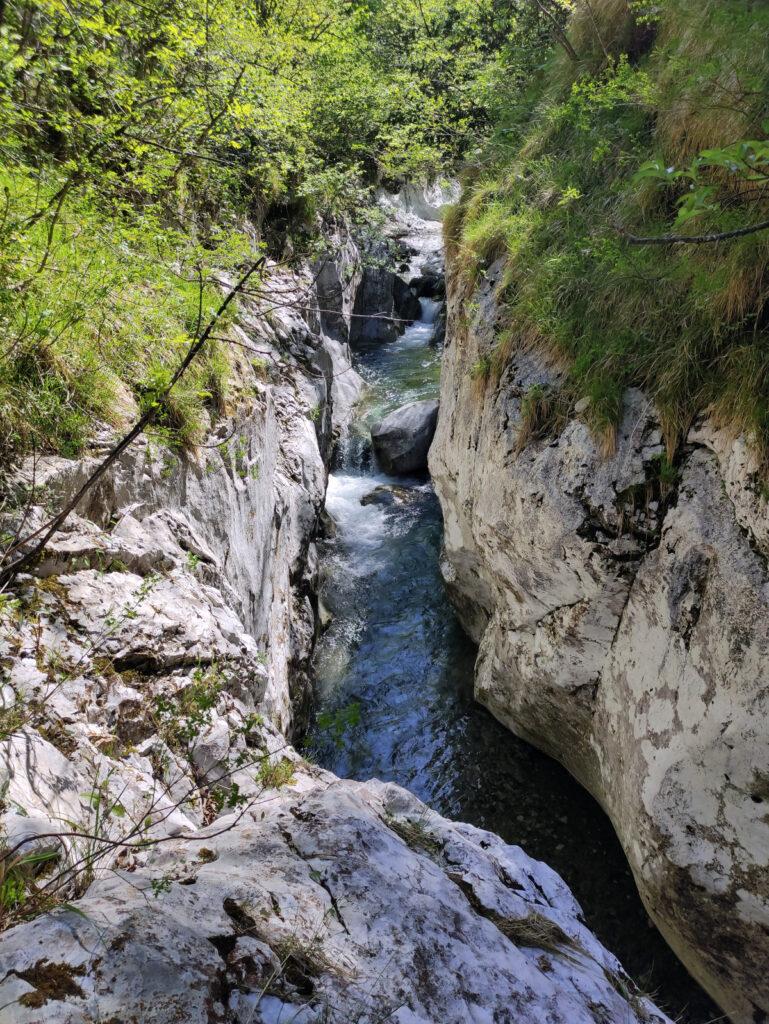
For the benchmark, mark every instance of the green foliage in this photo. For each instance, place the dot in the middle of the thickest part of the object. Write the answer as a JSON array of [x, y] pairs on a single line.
[[667, 474], [337, 724], [19, 896], [180, 719], [135, 141], [274, 774], [636, 136], [747, 161]]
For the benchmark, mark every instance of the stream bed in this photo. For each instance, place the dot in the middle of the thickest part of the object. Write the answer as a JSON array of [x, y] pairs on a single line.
[[394, 686]]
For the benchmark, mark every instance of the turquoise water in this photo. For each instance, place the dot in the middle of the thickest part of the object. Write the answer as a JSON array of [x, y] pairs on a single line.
[[395, 651]]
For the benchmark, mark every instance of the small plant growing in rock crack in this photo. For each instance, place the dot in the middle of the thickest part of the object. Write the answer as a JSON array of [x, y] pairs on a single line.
[[481, 368], [193, 561], [181, 717], [131, 610], [159, 886], [273, 775], [17, 881], [667, 474], [13, 717], [239, 455], [414, 833], [543, 413]]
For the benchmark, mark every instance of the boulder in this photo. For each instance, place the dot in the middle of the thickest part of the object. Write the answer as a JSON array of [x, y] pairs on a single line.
[[330, 901], [402, 439], [384, 306], [387, 495], [428, 285]]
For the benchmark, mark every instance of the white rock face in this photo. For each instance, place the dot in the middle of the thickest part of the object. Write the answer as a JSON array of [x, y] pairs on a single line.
[[196, 869], [242, 513], [329, 901], [624, 628], [297, 896]]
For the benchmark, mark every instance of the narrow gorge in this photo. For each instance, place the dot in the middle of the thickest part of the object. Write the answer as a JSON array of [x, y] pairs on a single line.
[[384, 512], [235, 880]]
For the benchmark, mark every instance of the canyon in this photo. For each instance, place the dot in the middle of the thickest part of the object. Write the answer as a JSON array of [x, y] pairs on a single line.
[[198, 867]]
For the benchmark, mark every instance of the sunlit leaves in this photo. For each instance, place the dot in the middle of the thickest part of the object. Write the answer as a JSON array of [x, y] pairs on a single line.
[[747, 160]]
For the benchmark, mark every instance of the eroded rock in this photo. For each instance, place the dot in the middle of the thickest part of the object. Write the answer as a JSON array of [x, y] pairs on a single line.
[[623, 623]]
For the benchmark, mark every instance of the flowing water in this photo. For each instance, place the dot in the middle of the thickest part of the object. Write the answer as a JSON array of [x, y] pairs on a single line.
[[394, 680]]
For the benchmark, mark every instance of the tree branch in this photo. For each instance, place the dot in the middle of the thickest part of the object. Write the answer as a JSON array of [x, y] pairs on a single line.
[[721, 236], [49, 528], [560, 35]]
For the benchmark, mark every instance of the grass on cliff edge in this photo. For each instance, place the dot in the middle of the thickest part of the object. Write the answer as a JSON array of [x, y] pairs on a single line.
[[555, 190], [98, 336]]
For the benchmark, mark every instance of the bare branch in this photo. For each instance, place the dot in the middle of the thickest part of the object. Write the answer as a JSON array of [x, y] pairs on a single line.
[[721, 236]]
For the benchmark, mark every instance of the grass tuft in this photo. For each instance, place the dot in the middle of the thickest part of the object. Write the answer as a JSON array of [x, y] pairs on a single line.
[[555, 191]]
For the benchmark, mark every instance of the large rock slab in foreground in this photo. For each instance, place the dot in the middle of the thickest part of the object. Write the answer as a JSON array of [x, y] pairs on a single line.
[[623, 623], [402, 439], [329, 901], [228, 881]]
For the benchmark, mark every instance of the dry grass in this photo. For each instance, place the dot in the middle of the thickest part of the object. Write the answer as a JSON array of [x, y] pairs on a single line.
[[711, 58], [415, 834], [683, 323], [543, 413], [538, 932], [599, 27]]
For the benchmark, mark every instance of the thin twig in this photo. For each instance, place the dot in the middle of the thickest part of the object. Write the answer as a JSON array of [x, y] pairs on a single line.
[[720, 236]]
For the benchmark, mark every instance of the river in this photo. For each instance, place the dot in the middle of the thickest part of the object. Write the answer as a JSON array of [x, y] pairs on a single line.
[[394, 685]]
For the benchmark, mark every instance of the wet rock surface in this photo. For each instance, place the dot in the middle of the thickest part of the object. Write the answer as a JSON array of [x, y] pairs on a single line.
[[388, 496], [402, 439], [384, 304]]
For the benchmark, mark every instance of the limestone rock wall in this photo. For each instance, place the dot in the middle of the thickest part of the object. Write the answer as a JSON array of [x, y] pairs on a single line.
[[244, 507], [179, 860], [623, 622]]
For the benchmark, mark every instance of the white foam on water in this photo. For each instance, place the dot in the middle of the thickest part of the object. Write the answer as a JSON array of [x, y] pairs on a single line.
[[360, 526], [421, 332]]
